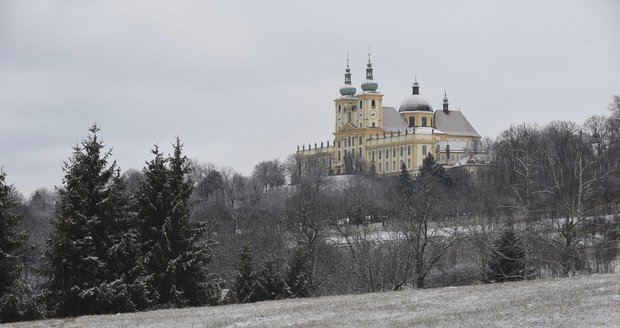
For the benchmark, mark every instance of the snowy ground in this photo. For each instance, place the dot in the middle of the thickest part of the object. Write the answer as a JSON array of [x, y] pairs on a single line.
[[583, 301]]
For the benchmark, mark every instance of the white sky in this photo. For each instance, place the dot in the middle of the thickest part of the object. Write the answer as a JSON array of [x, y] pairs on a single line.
[[246, 81]]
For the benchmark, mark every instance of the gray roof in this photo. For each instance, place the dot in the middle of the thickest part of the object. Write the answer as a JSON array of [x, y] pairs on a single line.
[[392, 121], [454, 123]]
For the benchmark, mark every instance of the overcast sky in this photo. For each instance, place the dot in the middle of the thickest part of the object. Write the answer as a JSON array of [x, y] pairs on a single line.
[[246, 81]]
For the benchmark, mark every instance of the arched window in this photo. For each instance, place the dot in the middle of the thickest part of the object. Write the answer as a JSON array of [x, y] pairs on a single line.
[[339, 108], [373, 104], [349, 142], [361, 104], [361, 140], [423, 121], [411, 122], [349, 117]]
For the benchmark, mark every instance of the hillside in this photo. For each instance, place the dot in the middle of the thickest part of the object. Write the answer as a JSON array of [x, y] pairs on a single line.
[[583, 301]]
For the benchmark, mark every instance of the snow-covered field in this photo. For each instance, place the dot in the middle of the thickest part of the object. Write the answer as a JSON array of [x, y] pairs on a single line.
[[583, 301]]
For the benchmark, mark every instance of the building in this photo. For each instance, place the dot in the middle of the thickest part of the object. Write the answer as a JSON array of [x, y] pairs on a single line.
[[371, 136]]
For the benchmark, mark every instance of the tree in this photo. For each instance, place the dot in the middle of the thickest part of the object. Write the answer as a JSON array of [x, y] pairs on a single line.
[[298, 278], [12, 241], [269, 174], [90, 251], [175, 252], [506, 261]]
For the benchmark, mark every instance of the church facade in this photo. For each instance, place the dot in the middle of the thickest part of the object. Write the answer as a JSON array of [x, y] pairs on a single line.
[[369, 136]]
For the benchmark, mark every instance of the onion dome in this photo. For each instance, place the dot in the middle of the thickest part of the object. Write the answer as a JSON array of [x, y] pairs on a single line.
[[369, 85], [415, 102], [347, 89]]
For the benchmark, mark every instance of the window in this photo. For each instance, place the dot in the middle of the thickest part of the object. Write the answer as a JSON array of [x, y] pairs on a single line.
[[394, 166], [353, 141], [409, 150], [411, 122], [361, 140], [339, 108], [424, 151], [423, 121], [361, 104], [372, 156], [360, 124], [394, 152], [373, 124], [372, 104], [401, 150], [339, 155], [387, 153], [387, 167], [349, 142], [430, 122], [380, 152], [379, 167], [338, 143], [349, 117]]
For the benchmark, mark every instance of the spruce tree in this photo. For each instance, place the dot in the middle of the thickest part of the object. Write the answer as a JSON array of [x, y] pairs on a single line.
[[11, 246], [507, 259], [175, 253], [298, 275], [272, 282], [90, 227], [246, 281]]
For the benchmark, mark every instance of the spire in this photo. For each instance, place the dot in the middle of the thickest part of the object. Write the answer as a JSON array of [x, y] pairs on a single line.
[[347, 74], [347, 89], [445, 102], [369, 67], [416, 87]]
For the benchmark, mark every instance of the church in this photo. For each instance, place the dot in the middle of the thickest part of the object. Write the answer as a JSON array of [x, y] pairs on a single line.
[[371, 137]]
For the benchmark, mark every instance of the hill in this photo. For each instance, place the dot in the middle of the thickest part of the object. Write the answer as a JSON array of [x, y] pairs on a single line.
[[582, 301]]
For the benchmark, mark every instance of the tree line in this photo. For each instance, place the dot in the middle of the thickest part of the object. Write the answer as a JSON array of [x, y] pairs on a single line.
[[183, 233]]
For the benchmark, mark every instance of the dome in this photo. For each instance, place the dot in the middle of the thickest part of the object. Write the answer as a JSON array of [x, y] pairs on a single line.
[[415, 103], [370, 85], [347, 90]]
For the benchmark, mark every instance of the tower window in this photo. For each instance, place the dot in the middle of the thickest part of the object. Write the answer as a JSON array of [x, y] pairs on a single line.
[[349, 117], [411, 122], [373, 104], [339, 108], [361, 104], [423, 121]]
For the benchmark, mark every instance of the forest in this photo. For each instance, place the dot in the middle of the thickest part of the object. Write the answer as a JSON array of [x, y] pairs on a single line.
[[180, 233]]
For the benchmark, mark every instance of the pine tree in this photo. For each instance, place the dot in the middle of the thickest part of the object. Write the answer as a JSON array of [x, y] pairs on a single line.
[[176, 256], [11, 246], [507, 259], [91, 221]]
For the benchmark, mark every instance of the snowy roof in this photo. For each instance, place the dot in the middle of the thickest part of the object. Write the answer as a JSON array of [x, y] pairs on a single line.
[[415, 103], [454, 123], [392, 121], [475, 159]]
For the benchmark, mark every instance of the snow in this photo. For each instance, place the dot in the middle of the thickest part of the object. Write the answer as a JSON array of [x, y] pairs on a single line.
[[581, 301]]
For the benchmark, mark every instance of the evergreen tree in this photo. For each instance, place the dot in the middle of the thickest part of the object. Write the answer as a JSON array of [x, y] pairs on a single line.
[[175, 254], [90, 226], [507, 259], [430, 167], [298, 276], [246, 282], [11, 246], [272, 282]]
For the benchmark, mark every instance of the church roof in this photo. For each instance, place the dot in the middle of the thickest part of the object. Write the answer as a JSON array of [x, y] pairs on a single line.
[[454, 123], [392, 120]]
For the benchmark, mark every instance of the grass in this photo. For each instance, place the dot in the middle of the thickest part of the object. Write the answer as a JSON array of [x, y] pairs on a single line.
[[582, 301]]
